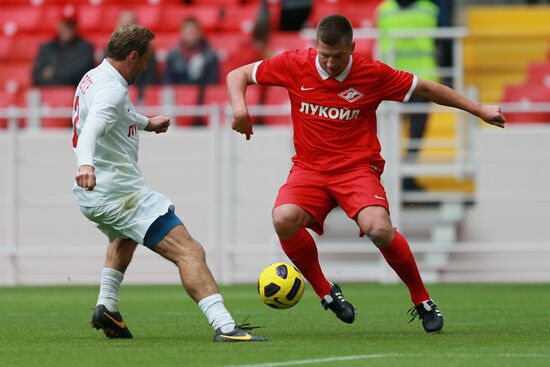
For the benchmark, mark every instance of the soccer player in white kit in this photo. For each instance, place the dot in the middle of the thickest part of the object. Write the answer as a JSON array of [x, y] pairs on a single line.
[[112, 193]]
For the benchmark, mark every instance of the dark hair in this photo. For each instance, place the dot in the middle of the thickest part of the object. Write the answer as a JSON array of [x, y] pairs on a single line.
[[128, 38], [333, 29]]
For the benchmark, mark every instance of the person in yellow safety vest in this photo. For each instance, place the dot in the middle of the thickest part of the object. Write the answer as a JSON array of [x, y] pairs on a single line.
[[416, 55]]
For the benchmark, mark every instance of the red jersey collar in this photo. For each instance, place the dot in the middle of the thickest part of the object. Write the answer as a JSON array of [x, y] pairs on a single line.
[[343, 75]]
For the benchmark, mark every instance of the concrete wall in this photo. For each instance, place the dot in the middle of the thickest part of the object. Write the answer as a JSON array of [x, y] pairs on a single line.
[[224, 188]]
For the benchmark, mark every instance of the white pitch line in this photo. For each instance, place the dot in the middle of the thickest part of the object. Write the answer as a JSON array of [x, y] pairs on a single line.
[[310, 361]]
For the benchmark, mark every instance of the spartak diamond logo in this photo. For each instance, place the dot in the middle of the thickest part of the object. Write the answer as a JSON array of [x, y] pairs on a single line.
[[351, 95]]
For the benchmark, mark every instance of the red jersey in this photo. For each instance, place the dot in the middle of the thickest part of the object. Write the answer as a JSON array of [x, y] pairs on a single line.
[[334, 118]]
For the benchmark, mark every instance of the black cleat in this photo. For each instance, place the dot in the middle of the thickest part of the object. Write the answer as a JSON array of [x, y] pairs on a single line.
[[111, 323], [336, 302], [432, 319]]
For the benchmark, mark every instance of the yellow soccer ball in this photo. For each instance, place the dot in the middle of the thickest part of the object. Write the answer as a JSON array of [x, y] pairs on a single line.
[[280, 285]]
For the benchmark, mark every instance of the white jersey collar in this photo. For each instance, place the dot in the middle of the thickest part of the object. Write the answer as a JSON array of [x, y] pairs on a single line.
[[110, 69], [343, 75]]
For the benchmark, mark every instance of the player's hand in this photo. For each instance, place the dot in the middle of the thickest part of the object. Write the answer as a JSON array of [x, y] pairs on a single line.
[[492, 115], [242, 124], [158, 124], [85, 177]]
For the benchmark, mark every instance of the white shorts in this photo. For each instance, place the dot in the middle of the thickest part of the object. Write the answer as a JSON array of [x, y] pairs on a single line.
[[129, 218]]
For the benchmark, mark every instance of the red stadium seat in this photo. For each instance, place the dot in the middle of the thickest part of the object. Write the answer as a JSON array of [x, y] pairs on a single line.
[[110, 17], [321, 9], [56, 97], [220, 3], [233, 50], [90, 18], [25, 47], [360, 15], [276, 96], [15, 76], [227, 43], [6, 99], [51, 15], [149, 16], [186, 95], [538, 74], [152, 95], [173, 15], [215, 94], [239, 18], [99, 41], [6, 48], [526, 93], [19, 19], [283, 41]]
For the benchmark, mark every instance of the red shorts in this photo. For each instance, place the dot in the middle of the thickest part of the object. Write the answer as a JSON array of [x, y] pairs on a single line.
[[318, 193]]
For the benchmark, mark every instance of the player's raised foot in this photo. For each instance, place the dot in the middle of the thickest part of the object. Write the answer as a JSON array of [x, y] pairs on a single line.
[[337, 303], [237, 335], [111, 323], [427, 311]]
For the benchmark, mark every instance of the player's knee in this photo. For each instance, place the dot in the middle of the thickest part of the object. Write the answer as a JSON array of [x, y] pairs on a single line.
[[379, 231], [285, 221]]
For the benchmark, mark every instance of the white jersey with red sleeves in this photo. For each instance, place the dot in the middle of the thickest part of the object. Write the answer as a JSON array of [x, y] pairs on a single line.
[[334, 118], [102, 104]]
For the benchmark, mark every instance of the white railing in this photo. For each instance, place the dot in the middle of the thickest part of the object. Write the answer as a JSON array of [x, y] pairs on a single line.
[[225, 251]]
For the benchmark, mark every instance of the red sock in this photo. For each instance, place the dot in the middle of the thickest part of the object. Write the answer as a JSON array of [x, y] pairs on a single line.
[[302, 251], [399, 256]]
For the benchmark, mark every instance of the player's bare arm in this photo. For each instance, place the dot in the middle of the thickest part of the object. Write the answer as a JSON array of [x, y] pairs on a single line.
[[446, 96], [237, 81], [158, 124], [85, 177]]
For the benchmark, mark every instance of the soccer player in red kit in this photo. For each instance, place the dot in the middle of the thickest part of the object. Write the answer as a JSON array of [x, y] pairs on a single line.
[[334, 94]]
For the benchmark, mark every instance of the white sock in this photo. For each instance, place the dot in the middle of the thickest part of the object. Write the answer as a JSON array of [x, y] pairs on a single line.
[[218, 316], [108, 291]]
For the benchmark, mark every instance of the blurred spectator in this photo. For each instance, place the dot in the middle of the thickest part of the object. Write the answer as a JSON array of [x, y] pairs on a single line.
[[294, 13], [416, 55], [148, 77], [65, 59], [193, 61]]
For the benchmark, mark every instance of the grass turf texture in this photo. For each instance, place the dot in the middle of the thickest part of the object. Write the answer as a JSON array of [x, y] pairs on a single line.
[[485, 325]]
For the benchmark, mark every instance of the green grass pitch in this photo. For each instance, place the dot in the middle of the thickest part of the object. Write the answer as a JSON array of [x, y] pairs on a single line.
[[485, 325]]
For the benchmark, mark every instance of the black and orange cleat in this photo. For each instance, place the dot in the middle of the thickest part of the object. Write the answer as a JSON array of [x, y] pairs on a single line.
[[111, 323]]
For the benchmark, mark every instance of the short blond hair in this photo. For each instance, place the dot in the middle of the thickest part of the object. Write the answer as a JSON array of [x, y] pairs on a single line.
[[127, 38]]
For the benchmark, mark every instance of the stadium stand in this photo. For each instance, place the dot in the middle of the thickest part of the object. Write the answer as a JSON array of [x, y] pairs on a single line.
[[26, 24], [6, 100], [172, 16], [56, 97], [503, 40], [524, 94], [185, 95], [538, 73], [239, 18]]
